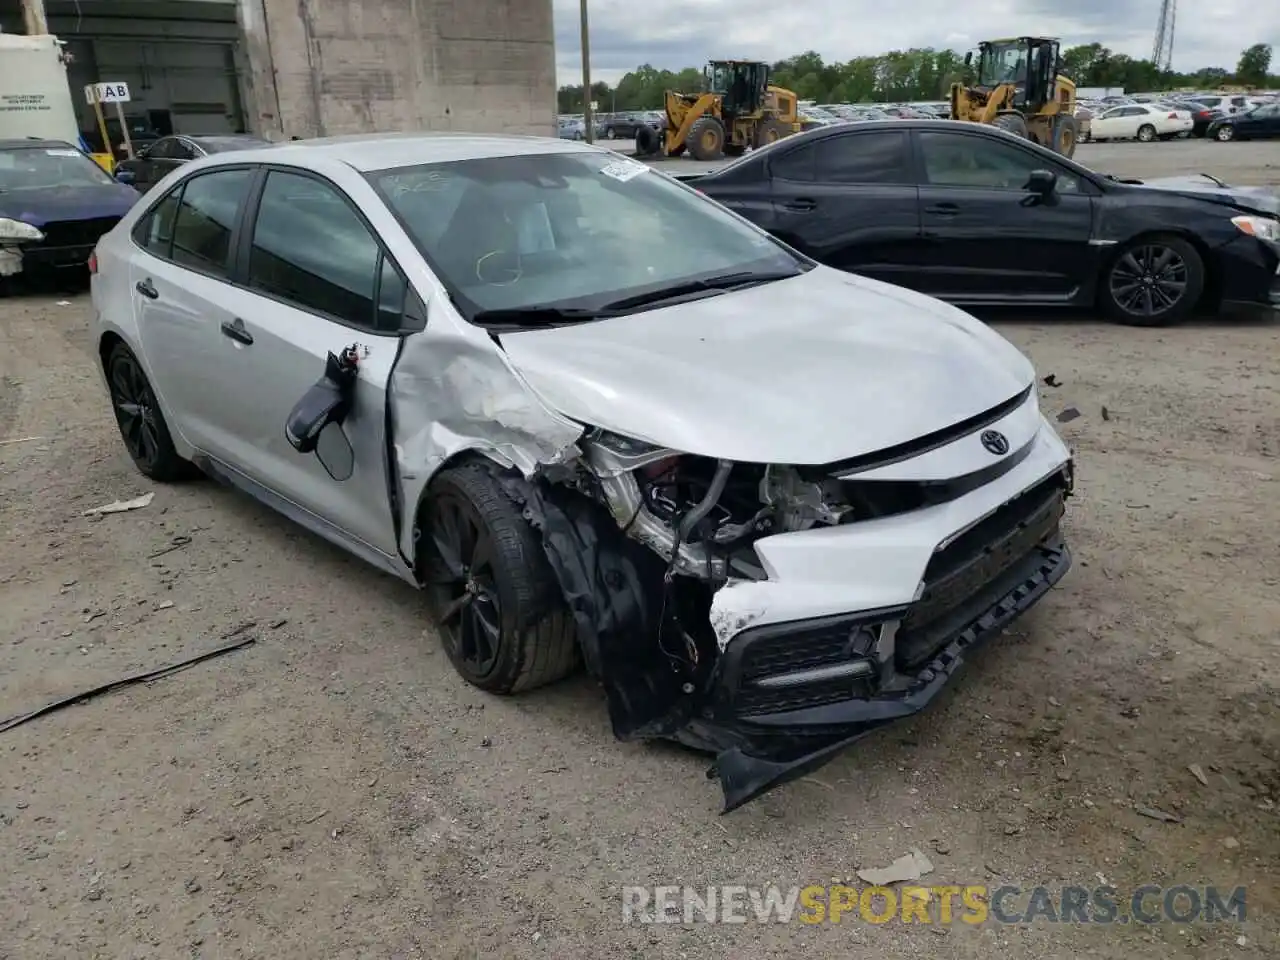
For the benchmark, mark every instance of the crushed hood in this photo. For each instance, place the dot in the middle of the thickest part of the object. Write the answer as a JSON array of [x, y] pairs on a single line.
[[810, 370], [1256, 199]]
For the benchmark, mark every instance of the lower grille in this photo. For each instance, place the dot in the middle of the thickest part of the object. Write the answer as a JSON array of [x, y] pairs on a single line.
[[964, 578]]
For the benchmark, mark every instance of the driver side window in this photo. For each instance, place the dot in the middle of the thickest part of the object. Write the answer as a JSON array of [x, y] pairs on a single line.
[[958, 160]]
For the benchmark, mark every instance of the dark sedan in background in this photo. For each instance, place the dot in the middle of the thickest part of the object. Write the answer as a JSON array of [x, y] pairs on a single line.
[[1257, 124], [976, 216], [168, 153], [55, 203]]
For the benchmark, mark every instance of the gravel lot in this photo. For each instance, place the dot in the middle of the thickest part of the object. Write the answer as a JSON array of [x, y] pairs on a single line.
[[335, 791]]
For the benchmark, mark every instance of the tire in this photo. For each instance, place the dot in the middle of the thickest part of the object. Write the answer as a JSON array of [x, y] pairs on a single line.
[[1013, 123], [142, 425], [610, 133], [1146, 133], [1066, 134], [1225, 133], [1131, 290], [770, 130], [515, 633], [706, 139], [647, 141]]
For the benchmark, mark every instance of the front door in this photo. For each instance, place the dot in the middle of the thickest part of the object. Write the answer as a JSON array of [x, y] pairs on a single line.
[[985, 237], [849, 201], [297, 303]]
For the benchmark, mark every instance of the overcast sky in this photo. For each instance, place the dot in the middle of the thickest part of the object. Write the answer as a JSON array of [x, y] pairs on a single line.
[[681, 33]]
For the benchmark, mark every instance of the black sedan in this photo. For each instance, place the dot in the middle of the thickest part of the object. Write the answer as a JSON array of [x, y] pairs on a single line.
[[976, 216], [1256, 124], [161, 156]]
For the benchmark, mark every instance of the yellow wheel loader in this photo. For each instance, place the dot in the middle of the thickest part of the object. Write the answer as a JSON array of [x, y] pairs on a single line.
[[1020, 90], [739, 109]]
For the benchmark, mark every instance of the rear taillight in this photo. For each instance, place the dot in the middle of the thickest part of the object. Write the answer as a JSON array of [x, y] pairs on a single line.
[[1173, 116], [93, 262]]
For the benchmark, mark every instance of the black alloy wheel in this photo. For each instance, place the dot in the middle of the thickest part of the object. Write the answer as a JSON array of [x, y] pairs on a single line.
[[142, 425], [1154, 282], [464, 591]]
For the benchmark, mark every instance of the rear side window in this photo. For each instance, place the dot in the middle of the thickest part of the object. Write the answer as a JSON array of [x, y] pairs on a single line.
[[795, 164], [205, 218], [155, 232], [864, 158], [338, 267]]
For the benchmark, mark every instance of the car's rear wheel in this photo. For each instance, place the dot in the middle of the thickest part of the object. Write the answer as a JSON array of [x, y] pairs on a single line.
[[1153, 282], [1146, 133], [142, 424], [1224, 133], [501, 616]]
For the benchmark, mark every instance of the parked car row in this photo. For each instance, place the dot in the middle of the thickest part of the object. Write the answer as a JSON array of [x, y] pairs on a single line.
[[1221, 117], [676, 496]]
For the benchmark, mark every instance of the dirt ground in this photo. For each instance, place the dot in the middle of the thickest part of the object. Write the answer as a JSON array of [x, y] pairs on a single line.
[[336, 791]]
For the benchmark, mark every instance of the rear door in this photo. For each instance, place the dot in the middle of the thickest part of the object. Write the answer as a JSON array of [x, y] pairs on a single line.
[[850, 201], [179, 274], [314, 279], [985, 237]]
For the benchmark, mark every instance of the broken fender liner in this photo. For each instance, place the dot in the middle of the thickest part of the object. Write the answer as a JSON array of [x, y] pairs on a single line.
[[614, 588], [114, 685]]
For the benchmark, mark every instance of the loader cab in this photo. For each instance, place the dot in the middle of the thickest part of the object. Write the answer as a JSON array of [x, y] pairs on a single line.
[[1030, 64], [741, 84]]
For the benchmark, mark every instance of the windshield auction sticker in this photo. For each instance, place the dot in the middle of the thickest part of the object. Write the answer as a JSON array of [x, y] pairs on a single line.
[[623, 170]]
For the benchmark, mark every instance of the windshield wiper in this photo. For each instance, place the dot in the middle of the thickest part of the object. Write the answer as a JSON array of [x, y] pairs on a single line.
[[722, 283], [536, 316]]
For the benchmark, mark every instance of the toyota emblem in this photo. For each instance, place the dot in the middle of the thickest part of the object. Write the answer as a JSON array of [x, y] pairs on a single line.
[[995, 442]]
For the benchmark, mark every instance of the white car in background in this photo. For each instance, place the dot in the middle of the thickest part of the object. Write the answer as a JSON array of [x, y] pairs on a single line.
[[1140, 121]]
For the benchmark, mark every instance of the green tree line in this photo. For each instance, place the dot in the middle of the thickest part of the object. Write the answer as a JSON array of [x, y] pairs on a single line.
[[918, 74]]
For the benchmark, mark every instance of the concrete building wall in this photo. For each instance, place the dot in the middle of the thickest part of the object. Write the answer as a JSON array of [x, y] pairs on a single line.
[[330, 67]]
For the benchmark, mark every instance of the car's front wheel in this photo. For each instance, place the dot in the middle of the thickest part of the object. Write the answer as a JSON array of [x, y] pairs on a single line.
[[142, 424], [1153, 282], [496, 603], [1224, 133]]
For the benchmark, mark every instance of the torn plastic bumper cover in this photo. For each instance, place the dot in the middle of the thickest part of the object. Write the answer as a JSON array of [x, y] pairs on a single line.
[[782, 699]]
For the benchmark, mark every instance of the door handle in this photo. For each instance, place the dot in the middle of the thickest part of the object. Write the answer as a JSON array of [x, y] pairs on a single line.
[[801, 205], [943, 209], [236, 331], [147, 289]]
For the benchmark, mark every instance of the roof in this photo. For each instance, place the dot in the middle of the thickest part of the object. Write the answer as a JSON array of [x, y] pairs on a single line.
[[369, 152]]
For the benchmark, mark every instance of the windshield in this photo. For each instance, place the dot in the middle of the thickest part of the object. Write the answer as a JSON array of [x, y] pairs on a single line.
[[568, 230], [1003, 63], [47, 168]]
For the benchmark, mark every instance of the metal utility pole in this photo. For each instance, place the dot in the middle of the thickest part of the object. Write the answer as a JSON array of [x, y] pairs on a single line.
[[1162, 49], [588, 117], [34, 20]]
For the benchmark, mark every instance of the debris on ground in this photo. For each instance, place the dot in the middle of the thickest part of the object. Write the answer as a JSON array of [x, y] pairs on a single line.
[[1051, 381], [1198, 773], [5, 443], [120, 506], [1069, 414], [177, 543], [1157, 814], [910, 866]]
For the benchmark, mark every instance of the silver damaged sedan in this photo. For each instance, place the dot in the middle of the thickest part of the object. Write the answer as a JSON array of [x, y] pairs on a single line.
[[597, 418]]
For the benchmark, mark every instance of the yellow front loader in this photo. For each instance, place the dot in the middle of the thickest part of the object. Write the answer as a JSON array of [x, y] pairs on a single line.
[[1019, 88], [739, 109]]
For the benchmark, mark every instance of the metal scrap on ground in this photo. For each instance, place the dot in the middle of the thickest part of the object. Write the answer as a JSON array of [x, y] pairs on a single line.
[[120, 506]]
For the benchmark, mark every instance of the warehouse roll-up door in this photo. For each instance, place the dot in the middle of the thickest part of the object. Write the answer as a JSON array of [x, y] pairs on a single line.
[[192, 82]]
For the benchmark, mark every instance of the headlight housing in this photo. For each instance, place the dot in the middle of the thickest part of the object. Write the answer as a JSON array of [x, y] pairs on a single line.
[[1264, 228], [18, 230]]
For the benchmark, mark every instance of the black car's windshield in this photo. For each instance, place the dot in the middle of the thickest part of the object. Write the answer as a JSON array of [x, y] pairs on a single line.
[[48, 167], [579, 230]]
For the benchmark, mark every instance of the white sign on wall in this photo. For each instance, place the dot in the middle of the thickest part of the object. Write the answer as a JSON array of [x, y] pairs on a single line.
[[106, 93]]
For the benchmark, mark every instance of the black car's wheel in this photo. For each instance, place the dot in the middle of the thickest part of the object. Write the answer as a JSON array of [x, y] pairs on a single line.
[[142, 425], [1152, 282], [501, 616], [1224, 133], [1146, 133]]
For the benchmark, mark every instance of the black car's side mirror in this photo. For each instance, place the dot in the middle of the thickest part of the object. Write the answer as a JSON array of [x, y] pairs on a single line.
[[1042, 182], [125, 176], [327, 401]]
